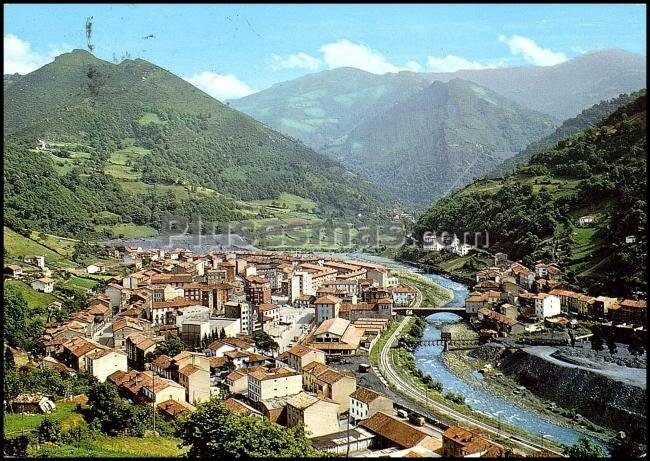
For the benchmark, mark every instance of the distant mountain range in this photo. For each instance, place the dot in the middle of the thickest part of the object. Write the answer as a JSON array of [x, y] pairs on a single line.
[[132, 126], [332, 109], [438, 139], [534, 213]]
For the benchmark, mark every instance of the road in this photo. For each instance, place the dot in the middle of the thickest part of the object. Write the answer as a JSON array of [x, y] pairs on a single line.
[[405, 388]]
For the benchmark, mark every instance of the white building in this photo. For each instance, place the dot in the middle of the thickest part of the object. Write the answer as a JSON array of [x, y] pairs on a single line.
[[105, 362], [584, 220], [266, 384], [431, 242], [546, 305], [326, 307], [45, 284]]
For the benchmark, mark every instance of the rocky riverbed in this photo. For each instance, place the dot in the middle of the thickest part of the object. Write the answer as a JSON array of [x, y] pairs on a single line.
[[468, 367]]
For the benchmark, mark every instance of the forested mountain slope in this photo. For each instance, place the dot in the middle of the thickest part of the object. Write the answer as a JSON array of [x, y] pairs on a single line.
[[533, 213], [118, 130], [582, 121], [438, 139]]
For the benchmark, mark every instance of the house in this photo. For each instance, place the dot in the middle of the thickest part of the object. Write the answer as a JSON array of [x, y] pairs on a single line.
[[524, 276], [237, 380], [137, 347], [13, 270], [45, 284], [32, 404], [299, 356], [584, 220], [630, 239], [327, 382], [304, 301], [403, 295], [601, 306], [546, 305], [631, 311], [500, 260], [95, 268], [500, 322], [240, 408], [365, 402], [196, 382], [431, 243], [146, 387], [103, 363], [175, 409], [392, 432], [270, 383], [335, 336], [317, 415], [458, 442], [326, 307], [122, 328], [36, 260]]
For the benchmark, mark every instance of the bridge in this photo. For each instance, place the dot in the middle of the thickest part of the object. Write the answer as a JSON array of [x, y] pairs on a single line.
[[451, 344], [427, 311]]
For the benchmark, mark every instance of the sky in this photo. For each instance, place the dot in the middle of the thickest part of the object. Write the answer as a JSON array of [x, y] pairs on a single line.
[[232, 50]]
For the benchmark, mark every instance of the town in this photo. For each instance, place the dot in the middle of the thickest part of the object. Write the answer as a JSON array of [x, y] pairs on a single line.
[[265, 332]]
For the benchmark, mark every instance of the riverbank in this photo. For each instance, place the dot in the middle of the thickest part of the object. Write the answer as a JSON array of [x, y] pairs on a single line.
[[468, 368], [432, 293]]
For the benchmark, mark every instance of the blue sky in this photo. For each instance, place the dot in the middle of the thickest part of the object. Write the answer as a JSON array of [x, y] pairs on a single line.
[[233, 50]]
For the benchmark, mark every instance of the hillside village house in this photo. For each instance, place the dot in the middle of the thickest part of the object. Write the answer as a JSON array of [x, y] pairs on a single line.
[[365, 402], [458, 442], [318, 415], [584, 220], [403, 295], [95, 268], [326, 307], [327, 382], [546, 305], [631, 311], [45, 284], [38, 261], [101, 364], [13, 270], [264, 384], [299, 356], [392, 432]]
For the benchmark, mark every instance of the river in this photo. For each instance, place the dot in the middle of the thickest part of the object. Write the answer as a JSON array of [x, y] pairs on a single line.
[[428, 359]]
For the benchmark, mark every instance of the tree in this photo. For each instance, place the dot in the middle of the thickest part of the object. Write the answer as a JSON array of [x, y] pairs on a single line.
[[16, 325], [169, 347], [109, 412], [49, 430], [214, 432], [264, 341], [585, 448]]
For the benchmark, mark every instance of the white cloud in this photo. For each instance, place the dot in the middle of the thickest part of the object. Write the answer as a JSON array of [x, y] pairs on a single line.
[[220, 86], [413, 66], [344, 53], [19, 57], [452, 63], [531, 51], [298, 60]]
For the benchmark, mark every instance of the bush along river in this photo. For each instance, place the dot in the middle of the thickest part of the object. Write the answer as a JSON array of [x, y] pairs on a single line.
[[429, 360]]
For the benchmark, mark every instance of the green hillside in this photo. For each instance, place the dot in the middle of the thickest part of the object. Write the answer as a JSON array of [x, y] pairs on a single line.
[[439, 139], [131, 142], [533, 213], [320, 107], [582, 121]]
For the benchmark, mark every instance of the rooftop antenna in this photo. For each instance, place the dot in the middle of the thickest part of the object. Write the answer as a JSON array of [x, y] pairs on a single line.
[[89, 33]]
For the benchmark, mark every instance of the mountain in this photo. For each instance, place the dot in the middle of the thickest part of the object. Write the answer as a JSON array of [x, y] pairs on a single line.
[[438, 139], [533, 214], [585, 119], [565, 89], [320, 107], [125, 135]]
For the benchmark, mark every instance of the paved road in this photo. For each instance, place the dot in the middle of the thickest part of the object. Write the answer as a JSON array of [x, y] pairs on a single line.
[[386, 369]]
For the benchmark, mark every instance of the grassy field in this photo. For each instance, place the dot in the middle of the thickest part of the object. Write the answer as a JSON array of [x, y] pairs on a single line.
[[18, 246], [128, 230], [432, 294], [103, 446], [65, 412], [379, 345], [36, 300], [96, 445]]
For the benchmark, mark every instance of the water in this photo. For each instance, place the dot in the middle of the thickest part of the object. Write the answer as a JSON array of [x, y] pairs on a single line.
[[427, 358]]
